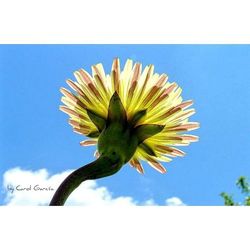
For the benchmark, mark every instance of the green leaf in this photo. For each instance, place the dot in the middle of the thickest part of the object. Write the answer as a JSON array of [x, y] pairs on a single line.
[[247, 201], [116, 111], [143, 132], [147, 149], [93, 134], [228, 200], [97, 120], [137, 116], [243, 185]]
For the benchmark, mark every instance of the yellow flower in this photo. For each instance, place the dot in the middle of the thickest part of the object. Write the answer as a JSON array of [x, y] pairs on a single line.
[[147, 98]]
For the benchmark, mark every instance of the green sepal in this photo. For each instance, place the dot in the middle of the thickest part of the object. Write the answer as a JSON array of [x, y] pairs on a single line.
[[145, 131], [137, 116], [116, 111], [97, 120], [147, 149], [93, 134]]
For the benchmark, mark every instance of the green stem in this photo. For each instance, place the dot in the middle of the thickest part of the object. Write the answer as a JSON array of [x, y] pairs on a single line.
[[101, 167]]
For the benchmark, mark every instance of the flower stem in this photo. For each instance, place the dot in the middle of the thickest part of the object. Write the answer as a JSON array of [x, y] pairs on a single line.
[[99, 168]]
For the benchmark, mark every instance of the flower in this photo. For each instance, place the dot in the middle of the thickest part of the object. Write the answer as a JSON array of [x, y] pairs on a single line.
[[150, 102]]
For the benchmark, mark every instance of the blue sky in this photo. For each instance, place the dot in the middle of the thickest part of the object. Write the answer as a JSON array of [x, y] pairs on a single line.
[[35, 134]]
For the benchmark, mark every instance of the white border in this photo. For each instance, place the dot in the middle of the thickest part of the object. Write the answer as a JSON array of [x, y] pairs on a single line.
[[192, 21], [129, 21], [124, 228]]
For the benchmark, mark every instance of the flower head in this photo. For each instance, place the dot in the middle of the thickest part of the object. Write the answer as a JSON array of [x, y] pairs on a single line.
[[133, 109]]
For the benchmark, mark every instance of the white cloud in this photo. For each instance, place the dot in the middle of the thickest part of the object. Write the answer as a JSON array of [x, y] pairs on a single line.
[[88, 193], [174, 201]]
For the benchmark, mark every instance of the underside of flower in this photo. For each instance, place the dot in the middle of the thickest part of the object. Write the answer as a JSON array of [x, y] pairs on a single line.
[[131, 115]]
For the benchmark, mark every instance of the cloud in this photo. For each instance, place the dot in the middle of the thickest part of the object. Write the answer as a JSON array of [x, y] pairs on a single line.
[[26, 187], [174, 201]]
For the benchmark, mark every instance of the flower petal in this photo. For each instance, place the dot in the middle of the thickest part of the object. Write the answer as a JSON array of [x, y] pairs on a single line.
[[146, 101], [88, 142], [156, 165], [115, 75], [136, 164]]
